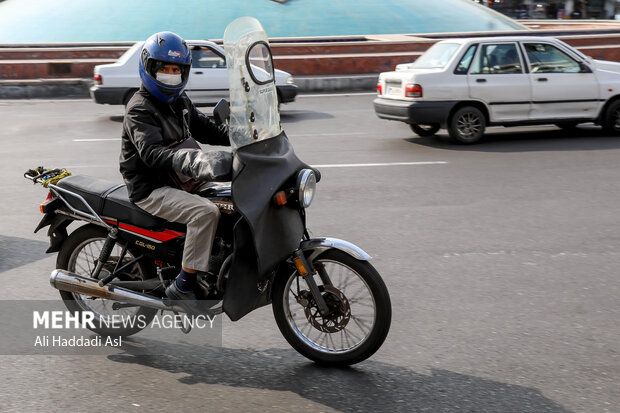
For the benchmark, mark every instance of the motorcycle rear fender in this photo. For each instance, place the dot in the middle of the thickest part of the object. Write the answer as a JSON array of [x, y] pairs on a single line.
[[312, 248], [57, 231]]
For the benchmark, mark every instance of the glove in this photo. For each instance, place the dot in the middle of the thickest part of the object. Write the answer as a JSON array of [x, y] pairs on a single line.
[[203, 166]]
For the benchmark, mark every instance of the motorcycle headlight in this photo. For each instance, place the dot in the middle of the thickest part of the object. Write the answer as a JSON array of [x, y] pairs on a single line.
[[306, 186]]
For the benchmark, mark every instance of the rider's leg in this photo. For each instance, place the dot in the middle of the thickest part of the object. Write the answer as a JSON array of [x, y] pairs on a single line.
[[201, 217]]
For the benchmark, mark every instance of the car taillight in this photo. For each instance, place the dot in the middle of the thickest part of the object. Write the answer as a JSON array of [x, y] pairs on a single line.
[[379, 89], [98, 79], [413, 91]]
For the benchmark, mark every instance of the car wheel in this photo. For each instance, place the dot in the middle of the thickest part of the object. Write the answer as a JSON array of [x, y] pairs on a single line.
[[611, 121], [424, 129], [567, 125], [467, 125]]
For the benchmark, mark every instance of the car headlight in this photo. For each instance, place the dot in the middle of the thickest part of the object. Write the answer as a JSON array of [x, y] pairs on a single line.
[[290, 80], [306, 186]]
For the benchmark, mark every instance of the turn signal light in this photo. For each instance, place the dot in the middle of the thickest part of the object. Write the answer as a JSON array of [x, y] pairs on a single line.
[[379, 89], [413, 91], [280, 198], [300, 266]]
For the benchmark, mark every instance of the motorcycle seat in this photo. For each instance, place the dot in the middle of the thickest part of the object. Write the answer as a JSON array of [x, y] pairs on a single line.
[[107, 199]]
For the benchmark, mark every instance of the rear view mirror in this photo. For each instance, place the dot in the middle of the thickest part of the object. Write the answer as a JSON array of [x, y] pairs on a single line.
[[584, 68], [221, 112]]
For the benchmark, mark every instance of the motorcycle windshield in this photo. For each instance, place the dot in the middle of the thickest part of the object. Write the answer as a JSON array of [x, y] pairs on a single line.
[[254, 112]]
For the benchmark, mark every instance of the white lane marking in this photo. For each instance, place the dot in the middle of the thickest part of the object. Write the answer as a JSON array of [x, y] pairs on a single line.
[[330, 134], [293, 135], [355, 165], [345, 165], [98, 140], [321, 95]]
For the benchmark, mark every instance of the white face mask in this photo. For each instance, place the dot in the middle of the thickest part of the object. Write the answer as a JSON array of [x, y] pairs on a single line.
[[171, 80]]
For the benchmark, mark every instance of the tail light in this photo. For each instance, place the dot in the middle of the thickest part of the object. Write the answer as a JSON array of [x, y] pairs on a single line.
[[379, 89], [98, 79], [413, 91], [44, 204]]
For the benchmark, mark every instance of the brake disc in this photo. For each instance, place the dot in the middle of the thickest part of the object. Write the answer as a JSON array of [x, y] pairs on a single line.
[[339, 311]]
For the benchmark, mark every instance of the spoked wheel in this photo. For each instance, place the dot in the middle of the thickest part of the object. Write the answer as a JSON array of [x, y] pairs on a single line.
[[79, 255], [359, 310]]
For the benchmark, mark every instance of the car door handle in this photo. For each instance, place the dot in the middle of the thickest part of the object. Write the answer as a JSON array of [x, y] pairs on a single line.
[[542, 79], [197, 73], [481, 80]]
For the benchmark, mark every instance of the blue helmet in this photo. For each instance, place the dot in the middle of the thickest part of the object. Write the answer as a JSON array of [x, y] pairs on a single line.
[[161, 49]]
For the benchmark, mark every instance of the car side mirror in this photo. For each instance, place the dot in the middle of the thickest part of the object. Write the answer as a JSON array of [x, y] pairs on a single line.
[[584, 68], [221, 112]]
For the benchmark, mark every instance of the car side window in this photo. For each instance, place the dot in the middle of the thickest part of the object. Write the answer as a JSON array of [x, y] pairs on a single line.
[[497, 59], [545, 58], [205, 58], [465, 62]]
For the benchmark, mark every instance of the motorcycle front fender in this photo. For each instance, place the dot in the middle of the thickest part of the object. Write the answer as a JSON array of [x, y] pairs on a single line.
[[313, 247]]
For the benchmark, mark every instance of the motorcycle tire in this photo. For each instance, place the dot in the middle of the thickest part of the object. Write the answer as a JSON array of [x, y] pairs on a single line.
[[315, 336], [93, 236]]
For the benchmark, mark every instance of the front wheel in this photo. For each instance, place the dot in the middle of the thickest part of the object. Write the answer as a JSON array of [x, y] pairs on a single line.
[[611, 120], [359, 304]]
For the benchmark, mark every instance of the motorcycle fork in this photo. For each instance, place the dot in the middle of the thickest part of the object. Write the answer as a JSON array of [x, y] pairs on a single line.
[[307, 271]]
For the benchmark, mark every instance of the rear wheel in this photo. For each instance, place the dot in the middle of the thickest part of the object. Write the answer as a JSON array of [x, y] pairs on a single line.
[[79, 255], [359, 317], [424, 129], [467, 125]]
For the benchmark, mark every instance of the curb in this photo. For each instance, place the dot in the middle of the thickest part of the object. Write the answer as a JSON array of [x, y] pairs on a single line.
[[78, 88]]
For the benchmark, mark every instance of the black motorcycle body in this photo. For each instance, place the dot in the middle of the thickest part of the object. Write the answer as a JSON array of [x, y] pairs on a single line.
[[328, 301]]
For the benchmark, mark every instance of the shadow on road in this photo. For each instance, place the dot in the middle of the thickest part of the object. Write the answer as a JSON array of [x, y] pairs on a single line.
[[580, 139], [292, 116], [15, 252], [368, 387]]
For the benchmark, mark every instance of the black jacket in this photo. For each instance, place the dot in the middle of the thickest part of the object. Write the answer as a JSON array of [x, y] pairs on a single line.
[[149, 127]]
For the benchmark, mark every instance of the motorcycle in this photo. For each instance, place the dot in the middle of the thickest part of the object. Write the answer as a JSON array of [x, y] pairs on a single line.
[[329, 302]]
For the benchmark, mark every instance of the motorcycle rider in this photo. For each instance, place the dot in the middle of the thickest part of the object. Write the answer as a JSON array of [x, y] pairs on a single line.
[[158, 115]]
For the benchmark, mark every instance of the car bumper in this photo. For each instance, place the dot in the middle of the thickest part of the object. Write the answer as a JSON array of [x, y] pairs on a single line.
[[287, 93], [108, 95], [414, 112]]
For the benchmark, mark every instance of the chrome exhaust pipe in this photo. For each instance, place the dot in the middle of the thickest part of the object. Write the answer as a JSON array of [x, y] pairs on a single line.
[[66, 281]]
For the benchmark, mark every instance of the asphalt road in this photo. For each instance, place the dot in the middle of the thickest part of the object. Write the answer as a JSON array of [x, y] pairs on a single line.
[[501, 260]]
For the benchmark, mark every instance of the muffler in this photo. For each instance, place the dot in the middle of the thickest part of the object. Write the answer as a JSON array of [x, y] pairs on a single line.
[[66, 281]]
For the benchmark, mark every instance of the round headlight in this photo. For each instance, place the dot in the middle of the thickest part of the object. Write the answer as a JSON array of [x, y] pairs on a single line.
[[306, 185]]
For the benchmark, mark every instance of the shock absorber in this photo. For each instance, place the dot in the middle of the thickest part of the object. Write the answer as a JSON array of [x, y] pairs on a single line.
[[106, 251]]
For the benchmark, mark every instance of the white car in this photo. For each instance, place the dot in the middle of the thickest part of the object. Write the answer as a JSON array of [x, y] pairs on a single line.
[[465, 85], [116, 83]]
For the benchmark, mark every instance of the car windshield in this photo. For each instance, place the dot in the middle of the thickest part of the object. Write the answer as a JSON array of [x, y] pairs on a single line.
[[437, 56]]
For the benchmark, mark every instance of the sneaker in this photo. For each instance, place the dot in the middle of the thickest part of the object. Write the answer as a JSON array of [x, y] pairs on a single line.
[[187, 301]]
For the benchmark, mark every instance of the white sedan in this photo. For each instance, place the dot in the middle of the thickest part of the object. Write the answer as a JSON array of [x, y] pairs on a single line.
[[465, 85], [116, 83]]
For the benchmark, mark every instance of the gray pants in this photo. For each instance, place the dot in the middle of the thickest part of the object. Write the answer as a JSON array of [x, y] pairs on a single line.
[[199, 214]]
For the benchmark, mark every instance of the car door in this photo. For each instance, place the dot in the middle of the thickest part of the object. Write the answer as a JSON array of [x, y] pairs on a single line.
[[208, 81], [561, 87], [497, 78]]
